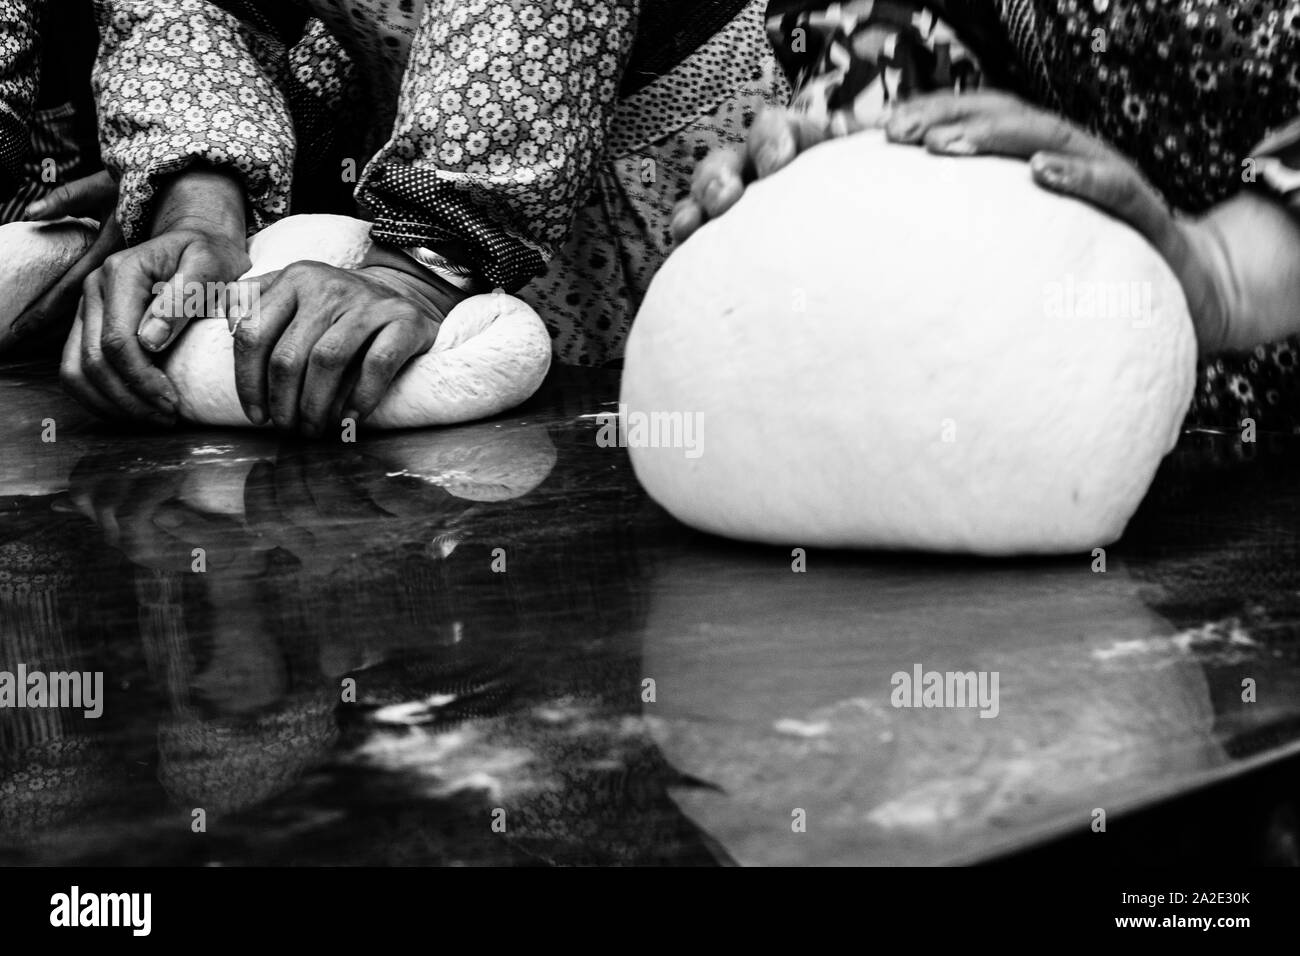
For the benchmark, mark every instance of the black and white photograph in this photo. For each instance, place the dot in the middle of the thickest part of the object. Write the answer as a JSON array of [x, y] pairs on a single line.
[[474, 434]]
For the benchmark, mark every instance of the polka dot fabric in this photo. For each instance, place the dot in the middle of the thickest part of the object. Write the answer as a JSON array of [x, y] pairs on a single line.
[[590, 293]]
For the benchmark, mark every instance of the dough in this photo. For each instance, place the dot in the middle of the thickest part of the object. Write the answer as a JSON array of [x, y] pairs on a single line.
[[36, 255], [491, 353], [889, 349]]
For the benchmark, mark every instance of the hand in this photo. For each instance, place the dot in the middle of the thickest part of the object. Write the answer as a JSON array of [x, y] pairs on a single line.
[[775, 139], [1066, 159], [198, 238], [325, 343], [48, 319]]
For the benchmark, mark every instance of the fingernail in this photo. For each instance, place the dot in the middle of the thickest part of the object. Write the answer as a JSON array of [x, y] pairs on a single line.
[[679, 223], [903, 129], [154, 332], [770, 159], [958, 147], [1049, 172], [164, 404], [256, 415], [352, 414], [713, 193], [35, 210]]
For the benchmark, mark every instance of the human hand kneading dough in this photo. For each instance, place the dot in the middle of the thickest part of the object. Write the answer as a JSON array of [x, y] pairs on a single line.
[[325, 343], [198, 238], [1236, 263]]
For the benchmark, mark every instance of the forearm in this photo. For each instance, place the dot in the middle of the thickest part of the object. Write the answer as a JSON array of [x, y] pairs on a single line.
[[201, 199], [1255, 242], [153, 127]]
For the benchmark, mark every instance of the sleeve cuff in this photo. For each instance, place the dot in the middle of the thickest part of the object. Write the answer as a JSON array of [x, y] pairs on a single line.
[[412, 207]]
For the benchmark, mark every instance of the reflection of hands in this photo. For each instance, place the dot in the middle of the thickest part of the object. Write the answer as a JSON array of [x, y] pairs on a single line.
[[198, 237], [145, 516], [317, 503]]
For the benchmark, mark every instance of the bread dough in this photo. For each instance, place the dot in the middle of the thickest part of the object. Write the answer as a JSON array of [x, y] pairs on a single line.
[[491, 353], [35, 256], [890, 349]]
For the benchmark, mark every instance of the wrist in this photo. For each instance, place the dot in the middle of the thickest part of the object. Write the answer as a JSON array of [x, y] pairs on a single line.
[[436, 298], [201, 200]]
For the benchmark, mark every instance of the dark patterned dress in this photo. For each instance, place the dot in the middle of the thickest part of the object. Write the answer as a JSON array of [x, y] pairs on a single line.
[[1202, 96]]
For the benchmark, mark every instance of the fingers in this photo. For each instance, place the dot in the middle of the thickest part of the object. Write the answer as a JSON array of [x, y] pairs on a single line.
[[73, 378], [170, 309], [986, 122], [688, 216], [775, 139], [89, 196], [113, 302], [256, 334], [332, 356], [1117, 187], [311, 315], [93, 366], [718, 181], [778, 136], [396, 345]]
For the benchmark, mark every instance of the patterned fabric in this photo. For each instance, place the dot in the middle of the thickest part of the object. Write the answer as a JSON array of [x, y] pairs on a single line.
[[856, 58], [19, 74], [620, 237], [481, 129], [1202, 97], [47, 134]]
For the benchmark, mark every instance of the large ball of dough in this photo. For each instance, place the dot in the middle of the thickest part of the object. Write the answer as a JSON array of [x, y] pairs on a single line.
[[33, 257], [884, 348]]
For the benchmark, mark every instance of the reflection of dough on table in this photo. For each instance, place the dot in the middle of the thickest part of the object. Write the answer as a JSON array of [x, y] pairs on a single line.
[[775, 688]]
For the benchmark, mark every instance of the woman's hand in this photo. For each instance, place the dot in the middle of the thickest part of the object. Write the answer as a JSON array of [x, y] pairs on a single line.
[[198, 239], [1239, 265], [323, 344], [776, 137], [47, 320]]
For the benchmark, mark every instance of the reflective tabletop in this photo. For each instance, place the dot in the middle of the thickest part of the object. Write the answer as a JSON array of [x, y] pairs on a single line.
[[485, 645]]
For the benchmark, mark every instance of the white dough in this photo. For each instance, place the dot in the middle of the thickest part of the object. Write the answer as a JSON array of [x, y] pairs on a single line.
[[891, 349], [491, 353], [33, 257]]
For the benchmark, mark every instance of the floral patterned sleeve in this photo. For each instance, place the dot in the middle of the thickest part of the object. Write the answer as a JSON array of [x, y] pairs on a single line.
[[503, 112], [19, 69], [186, 82]]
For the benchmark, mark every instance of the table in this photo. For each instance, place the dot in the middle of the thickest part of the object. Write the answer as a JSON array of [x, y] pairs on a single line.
[[485, 644]]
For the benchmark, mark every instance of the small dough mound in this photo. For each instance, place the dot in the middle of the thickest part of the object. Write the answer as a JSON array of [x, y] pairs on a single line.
[[492, 351], [33, 257], [890, 349]]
